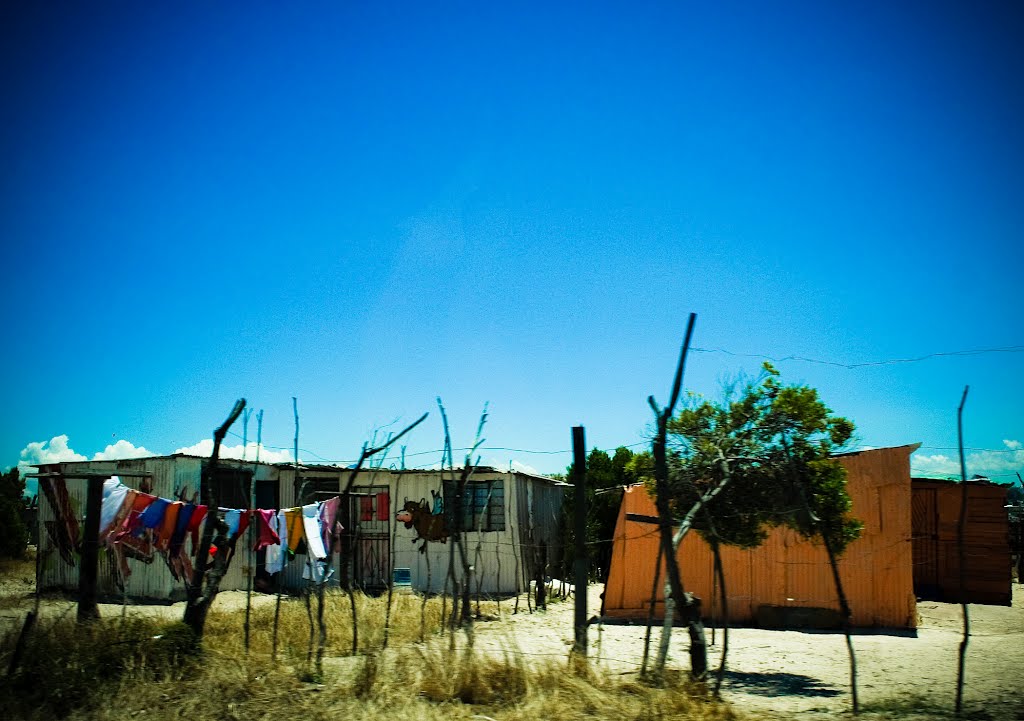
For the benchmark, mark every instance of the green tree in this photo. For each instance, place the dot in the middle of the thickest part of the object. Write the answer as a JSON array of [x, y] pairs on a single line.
[[759, 458], [13, 533], [606, 476], [768, 447]]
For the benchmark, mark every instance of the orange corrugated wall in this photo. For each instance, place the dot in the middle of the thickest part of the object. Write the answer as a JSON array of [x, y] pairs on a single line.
[[876, 569]]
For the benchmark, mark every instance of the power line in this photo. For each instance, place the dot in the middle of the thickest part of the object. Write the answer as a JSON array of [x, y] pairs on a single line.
[[890, 361]]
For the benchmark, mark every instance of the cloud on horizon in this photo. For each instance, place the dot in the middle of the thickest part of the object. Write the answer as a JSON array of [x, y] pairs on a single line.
[[58, 450], [994, 463], [267, 455]]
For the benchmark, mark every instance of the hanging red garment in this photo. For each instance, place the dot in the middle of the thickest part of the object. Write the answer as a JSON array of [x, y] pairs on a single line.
[[329, 515], [194, 524], [266, 535], [243, 523]]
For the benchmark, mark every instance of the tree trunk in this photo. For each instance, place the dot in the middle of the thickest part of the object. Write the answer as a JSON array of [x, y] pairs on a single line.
[[650, 613], [200, 598]]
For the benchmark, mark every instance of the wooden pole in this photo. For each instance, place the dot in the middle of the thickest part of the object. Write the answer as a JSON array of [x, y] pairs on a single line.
[[962, 554], [579, 453], [87, 608], [252, 524]]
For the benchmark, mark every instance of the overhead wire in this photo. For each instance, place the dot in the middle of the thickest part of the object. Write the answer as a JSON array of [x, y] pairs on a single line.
[[890, 361]]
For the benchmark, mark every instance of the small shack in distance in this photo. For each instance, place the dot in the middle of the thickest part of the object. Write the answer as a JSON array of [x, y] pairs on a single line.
[[936, 515]]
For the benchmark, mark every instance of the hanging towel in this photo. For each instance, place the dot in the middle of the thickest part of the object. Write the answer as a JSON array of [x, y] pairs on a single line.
[[133, 524], [232, 517], [114, 495], [276, 551], [168, 526], [316, 570], [120, 521], [243, 522], [194, 524], [313, 530], [181, 529], [293, 527], [266, 527], [328, 515], [153, 516]]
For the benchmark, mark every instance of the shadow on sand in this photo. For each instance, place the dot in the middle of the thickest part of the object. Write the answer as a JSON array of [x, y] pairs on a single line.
[[778, 684]]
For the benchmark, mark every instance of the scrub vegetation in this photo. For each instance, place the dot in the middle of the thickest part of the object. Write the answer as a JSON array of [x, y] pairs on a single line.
[[146, 668]]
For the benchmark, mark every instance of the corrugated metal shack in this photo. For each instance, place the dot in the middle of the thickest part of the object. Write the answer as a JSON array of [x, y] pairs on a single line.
[[936, 516], [786, 581], [511, 517]]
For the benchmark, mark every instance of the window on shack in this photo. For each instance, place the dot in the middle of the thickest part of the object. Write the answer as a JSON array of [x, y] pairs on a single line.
[[483, 505]]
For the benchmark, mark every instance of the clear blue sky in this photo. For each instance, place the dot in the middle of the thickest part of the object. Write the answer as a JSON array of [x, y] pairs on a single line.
[[366, 206]]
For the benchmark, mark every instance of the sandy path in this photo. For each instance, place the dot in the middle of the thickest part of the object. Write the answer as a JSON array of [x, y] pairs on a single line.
[[786, 674]]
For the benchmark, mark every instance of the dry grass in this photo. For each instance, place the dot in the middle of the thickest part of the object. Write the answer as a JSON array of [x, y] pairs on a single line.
[[119, 669]]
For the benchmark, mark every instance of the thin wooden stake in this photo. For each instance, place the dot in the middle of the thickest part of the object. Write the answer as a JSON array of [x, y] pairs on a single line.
[[579, 480], [962, 555], [252, 521]]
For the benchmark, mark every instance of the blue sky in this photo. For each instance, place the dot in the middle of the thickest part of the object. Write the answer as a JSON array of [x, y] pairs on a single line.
[[367, 206]]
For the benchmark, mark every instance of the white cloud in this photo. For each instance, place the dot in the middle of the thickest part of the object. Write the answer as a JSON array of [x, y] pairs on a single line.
[[983, 463], [55, 450], [267, 455], [122, 449]]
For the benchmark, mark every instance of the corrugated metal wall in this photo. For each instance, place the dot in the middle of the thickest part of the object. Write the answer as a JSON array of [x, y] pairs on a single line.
[[989, 573], [147, 580], [503, 559], [171, 477], [787, 571]]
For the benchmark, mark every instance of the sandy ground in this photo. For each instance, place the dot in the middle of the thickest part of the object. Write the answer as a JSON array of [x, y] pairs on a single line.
[[774, 674], [801, 674]]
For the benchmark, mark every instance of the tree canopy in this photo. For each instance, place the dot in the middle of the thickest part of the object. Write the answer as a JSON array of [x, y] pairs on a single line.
[[13, 533], [770, 446], [606, 474]]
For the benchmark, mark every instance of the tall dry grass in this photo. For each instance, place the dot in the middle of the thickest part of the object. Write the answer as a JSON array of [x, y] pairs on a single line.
[[144, 668]]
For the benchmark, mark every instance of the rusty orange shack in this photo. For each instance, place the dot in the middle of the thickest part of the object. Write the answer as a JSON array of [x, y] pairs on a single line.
[[786, 581]]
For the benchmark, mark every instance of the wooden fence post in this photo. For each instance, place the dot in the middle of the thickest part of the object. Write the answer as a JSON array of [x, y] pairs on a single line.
[[580, 581]]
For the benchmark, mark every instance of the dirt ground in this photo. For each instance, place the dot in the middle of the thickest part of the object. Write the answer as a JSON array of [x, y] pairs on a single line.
[[805, 674], [773, 674]]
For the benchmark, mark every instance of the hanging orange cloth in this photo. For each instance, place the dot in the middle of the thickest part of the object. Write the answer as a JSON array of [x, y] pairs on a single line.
[[165, 530], [293, 522]]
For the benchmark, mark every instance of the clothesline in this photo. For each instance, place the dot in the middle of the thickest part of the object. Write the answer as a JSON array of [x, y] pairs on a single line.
[[137, 524]]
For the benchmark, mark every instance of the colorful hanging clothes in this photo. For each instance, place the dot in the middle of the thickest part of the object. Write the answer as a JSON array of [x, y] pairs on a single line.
[[194, 524], [293, 526], [177, 544], [266, 529], [133, 524], [232, 517], [114, 494], [153, 516], [313, 531], [120, 520], [165, 531], [316, 570], [243, 523], [276, 552], [329, 515]]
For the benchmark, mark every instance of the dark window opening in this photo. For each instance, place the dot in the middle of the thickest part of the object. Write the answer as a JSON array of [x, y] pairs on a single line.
[[483, 504], [231, 487]]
